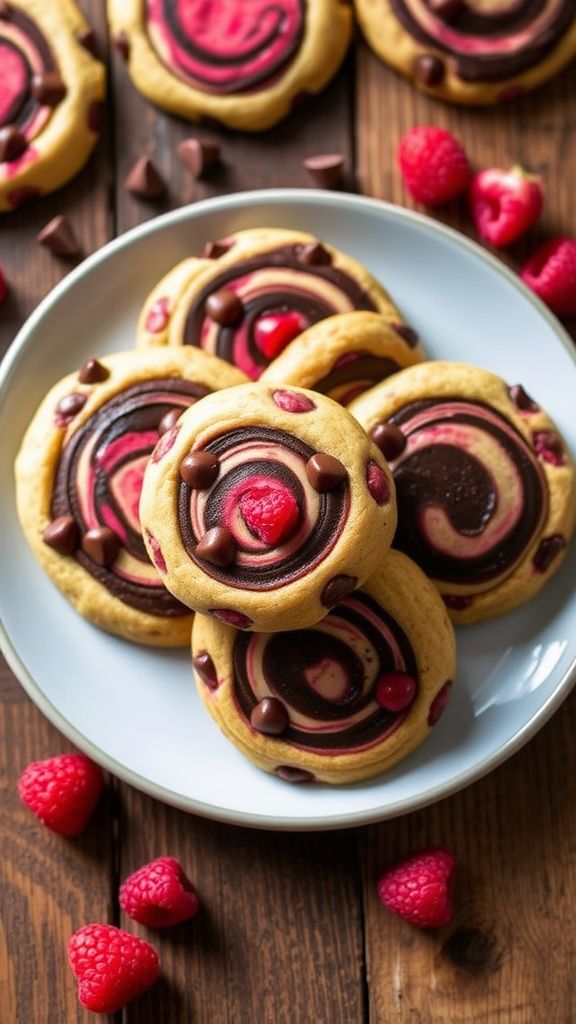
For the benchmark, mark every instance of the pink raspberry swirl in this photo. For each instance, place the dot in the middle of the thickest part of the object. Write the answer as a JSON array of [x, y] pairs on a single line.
[[226, 46], [24, 52]]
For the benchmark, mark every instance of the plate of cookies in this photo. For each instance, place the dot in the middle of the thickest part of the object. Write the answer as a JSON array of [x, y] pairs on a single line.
[[288, 543]]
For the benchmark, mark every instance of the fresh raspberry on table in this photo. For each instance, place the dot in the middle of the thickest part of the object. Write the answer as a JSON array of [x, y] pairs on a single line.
[[419, 889], [111, 966], [551, 273], [505, 203], [270, 513], [434, 165], [159, 894], [62, 791]]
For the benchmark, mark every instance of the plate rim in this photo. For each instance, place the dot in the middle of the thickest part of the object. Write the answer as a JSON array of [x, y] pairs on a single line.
[[349, 819]]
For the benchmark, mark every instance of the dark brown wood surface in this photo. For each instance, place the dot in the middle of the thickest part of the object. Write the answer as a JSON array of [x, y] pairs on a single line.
[[291, 931]]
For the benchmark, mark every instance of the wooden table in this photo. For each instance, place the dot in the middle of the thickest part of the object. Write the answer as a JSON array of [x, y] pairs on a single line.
[[291, 931]]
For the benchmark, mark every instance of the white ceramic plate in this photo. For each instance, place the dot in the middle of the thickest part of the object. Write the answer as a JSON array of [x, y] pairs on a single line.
[[136, 710]]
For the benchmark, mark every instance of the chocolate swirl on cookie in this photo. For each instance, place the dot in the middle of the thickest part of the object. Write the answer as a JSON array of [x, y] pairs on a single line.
[[326, 677], [226, 46], [471, 495], [99, 479], [275, 526], [353, 374], [27, 68]]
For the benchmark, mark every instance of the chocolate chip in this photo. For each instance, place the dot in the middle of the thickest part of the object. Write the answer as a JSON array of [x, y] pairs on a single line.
[[289, 773], [62, 534], [548, 550], [93, 372], [448, 10], [48, 88], [522, 399], [270, 717], [101, 545], [70, 405], [224, 307], [324, 472], [144, 180], [199, 470], [12, 144], [59, 238], [87, 38], [389, 439], [429, 70], [338, 588], [217, 546], [314, 254], [206, 669], [169, 420], [122, 44], [198, 155], [325, 169], [214, 250], [407, 333]]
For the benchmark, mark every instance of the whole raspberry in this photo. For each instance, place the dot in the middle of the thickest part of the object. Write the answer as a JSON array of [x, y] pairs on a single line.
[[551, 273], [270, 513], [111, 966], [159, 894], [62, 791], [434, 166], [420, 889], [505, 203]]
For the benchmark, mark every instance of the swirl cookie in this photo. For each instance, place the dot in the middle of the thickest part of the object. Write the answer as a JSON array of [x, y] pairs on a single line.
[[342, 700], [78, 479], [345, 355], [472, 51], [260, 290], [51, 93], [245, 63], [248, 517], [485, 486]]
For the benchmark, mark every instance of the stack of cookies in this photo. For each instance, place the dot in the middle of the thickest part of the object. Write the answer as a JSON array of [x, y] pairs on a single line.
[[277, 471]]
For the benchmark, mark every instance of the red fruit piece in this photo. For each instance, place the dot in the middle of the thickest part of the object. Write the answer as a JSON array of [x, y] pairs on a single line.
[[505, 203], [551, 273], [3, 287], [62, 791], [270, 513], [434, 166], [159, 894], [273, 331], [395, 691], [419, 889], [111, 966]]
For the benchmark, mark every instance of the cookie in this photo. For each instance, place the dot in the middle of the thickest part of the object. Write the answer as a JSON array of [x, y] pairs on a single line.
[[485, 485], [51, 97], [265, 507], [345, 355], [78, 478], [261, 289], [244, 64], [342, 700], [472, 51]]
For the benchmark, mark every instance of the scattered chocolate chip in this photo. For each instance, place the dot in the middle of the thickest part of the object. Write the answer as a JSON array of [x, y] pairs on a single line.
[[101, 545], [48, 88], [448, 10], [87, 38], [270, 717], [547, 551], [62, 534], [338, 588], [438, 705], [206, 669], [12, 144], [70, 405], [214, 250], [377, 483], [522, 399], [232, 618], [217, 546], [324, 472], [122, 44], [59, 238], [389, 439], [224, 307], [169, 420], [314, 254], [409, 335], [199, 470], [429, 70], [93, 372], [144, 180], [198, 155], [289, 773], [325, 169]]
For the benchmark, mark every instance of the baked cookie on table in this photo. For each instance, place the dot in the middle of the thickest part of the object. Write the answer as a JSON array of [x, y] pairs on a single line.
[[245, 63], [345, 355], [51, 95], [485, 485], [472, 51], [266, 506], [339, 701], [258, 290], [78, 479]]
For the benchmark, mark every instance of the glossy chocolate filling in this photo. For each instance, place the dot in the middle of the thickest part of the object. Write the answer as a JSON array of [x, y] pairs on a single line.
[[18, 106], [250, 458], [120, 435], [326, 676]]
